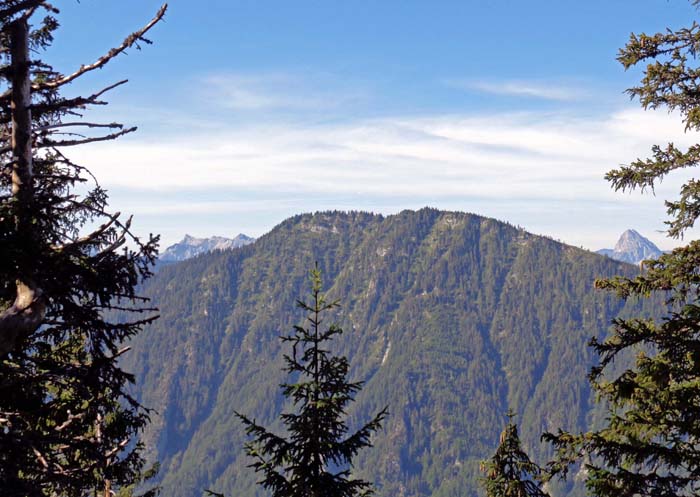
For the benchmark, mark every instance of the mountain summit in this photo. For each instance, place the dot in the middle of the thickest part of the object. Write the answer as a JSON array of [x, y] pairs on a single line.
[[633, 248], [449, 319], [191, 246]]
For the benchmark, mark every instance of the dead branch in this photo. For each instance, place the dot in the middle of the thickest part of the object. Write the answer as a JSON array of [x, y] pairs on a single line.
[[115, 450], [72, 143], [77, 102], [30, 11], [79, 124], [120, 240], [69, 421], [8, 12], [40, 457], [121, 351], [48, 143], [90, 237], [127, 43]]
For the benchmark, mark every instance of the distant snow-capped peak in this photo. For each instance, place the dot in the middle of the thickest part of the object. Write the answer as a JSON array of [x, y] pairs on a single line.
[[633, 248], [191, 246]]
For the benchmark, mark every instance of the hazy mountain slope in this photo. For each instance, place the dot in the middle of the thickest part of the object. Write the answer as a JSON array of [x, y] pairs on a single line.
[[449, 317]]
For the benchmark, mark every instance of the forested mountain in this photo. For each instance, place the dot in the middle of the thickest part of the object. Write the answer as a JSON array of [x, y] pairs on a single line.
[[450, 318]]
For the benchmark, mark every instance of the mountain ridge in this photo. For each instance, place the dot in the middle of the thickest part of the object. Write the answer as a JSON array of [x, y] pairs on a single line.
[[450, 318], [191, 246]]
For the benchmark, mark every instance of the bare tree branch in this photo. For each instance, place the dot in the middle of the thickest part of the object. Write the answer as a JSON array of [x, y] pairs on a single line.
[[92, 236], [7, 13], [79, 124], [44, 108], [71, 143], [40, 457], [128, 42]]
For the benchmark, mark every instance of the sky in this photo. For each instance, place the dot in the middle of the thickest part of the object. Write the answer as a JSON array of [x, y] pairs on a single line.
[[252, 111]]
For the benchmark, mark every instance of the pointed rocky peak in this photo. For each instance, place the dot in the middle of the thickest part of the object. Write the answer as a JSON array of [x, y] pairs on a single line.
[[242, 239], [190, 240], [633, 248]]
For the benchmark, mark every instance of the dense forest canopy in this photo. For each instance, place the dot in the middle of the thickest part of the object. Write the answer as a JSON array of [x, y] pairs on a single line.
[[449, 317]]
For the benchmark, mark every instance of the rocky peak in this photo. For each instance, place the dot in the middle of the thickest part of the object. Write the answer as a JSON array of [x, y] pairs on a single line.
[[191, 246], [633, 248]]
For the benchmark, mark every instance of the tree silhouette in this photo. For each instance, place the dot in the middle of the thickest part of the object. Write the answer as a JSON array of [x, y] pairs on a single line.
[[315, 458], [68, 425], [510, 472], [650, 444]]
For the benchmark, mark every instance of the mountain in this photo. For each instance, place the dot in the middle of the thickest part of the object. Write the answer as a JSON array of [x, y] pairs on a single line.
[[633, 248], [191, 246], [449, 318]]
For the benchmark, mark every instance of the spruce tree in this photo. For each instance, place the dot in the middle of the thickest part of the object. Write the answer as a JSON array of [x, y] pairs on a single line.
[[68, 424], [510, 472], [650, 443], [315, 458]]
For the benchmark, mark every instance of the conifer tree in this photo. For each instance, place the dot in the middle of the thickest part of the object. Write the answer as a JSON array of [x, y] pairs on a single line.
[[315, 458], [68, 425], [510, 472], [650, 443]]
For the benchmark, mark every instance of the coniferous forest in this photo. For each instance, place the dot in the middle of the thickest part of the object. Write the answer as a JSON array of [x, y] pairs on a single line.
[[449, 318], [421, 353]]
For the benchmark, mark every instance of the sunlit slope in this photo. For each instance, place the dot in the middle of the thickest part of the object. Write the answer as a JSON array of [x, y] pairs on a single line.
[[449, 318]]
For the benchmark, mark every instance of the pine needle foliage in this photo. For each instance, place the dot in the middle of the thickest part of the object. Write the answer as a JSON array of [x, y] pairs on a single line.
[[69, 425], [510, 472], [315, 458], [650, 445]]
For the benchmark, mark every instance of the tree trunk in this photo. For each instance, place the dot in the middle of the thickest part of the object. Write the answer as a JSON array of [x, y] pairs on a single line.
[[29, 308]]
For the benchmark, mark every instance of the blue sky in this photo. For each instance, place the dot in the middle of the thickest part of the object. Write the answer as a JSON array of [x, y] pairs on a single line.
[[250, 112]]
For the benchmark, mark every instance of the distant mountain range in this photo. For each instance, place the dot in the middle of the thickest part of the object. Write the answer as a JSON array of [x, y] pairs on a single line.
[[633, 248], [191, 246]]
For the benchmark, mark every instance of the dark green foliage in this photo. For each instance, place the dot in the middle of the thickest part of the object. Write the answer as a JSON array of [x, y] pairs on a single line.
[[140, 481], [510, 472], [68, 423], [442, 311], [649, 444], [315, 458]]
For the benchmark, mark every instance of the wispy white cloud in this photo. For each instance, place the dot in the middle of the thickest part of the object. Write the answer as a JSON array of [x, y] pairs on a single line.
[[544, 171], [275, 91], [520, 88], [447, 154], [250, 92]]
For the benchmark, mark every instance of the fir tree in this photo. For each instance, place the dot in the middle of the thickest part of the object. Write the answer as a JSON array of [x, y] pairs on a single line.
[[68, 425], [650, 444], [510, 472], [315, 458]]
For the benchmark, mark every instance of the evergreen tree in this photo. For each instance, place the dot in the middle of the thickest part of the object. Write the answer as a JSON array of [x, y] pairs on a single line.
[[650, 444], [510, 472], [315, 458], [68, 425]]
